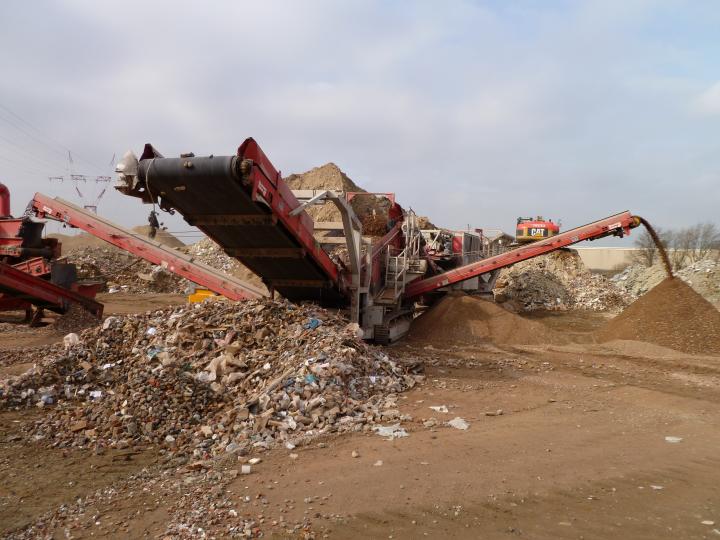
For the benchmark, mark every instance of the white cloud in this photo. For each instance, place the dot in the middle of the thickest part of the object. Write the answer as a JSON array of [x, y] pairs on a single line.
[[470, 112], [708, 102]]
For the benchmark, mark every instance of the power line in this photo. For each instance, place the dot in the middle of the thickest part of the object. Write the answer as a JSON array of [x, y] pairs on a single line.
[[25, 167], [30, 155], [51, 139]]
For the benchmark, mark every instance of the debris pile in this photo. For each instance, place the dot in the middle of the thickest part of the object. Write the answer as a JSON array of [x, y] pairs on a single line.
[[672, 315], [557, 281], [469, 320], [703, 276], [210, 378], [124, 272], [208, 252]]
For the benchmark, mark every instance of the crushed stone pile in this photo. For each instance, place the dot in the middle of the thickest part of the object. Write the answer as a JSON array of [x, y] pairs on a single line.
[[208, 252], [469, 320], [672, 315], [372, 210], [703, 276], [211, 378], [123, 272], [557, 281]]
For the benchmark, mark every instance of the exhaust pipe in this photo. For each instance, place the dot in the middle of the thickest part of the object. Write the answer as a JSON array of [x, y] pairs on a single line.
[[4, 201]]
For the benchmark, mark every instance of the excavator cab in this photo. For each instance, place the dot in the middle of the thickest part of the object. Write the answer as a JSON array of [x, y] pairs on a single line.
[[531, 229]]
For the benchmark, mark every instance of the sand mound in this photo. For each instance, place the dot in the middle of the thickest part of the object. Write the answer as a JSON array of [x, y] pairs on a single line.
[[76, 242], [468, 320], [164, 237], [328, 176], [672, 315], [372, 210], [82, 241]]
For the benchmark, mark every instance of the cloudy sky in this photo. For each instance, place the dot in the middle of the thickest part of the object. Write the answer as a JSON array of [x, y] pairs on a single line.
[[472, 112]]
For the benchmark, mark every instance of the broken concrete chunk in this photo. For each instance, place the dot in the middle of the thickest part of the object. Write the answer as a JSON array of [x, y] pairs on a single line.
[[458, 423]]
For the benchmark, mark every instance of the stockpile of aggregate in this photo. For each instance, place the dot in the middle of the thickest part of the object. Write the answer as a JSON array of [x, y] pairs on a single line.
[[673, 315], [703, 276], [469, 320], [557, 281], [204, 379]]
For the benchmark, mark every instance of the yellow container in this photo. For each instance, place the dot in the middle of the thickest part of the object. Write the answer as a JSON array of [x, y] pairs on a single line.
[[200, 295]]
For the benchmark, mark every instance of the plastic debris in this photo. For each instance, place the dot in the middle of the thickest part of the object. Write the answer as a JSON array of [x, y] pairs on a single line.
[[71, 340], [391, 432], [671, 439], [440, 408], [312, 324], [458, 423]]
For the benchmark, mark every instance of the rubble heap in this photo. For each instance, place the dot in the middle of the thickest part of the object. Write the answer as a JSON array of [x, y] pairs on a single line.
[[208, 252], [672, 315], [124, 272], [210, 378], [557, 281], [703, 276]]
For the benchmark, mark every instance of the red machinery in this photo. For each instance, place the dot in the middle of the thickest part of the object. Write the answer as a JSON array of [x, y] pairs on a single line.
[[30, 275], [243, 204], [533, 229], [141, 246]]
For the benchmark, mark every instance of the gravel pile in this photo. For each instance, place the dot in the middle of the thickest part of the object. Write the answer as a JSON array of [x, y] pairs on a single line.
[[672, 315], [703, 276], [557, 281], [208, 379]]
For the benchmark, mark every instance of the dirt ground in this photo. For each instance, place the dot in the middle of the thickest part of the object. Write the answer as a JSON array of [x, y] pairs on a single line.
[[563, 442]]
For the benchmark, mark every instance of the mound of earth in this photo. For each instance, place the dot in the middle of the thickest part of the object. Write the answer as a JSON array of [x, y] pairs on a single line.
[[328, 176], [82, 241], [672, 315], [164, 237], [371, 209], [472, 321], [75, 242]]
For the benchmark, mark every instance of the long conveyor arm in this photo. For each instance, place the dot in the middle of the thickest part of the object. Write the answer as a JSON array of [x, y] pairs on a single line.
[[143, 247], [616, 225]]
